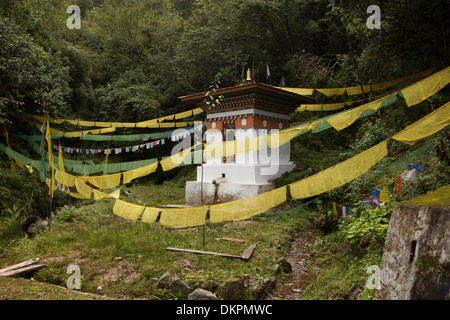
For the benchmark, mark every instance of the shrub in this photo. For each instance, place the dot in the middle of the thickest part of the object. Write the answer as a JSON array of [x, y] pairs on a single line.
[[367, 224]]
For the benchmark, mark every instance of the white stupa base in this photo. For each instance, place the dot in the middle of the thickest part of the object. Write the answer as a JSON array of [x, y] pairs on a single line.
[[228, 182]]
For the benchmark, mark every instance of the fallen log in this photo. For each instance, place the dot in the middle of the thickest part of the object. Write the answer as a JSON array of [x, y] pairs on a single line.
[[19, 265], [22, 270]]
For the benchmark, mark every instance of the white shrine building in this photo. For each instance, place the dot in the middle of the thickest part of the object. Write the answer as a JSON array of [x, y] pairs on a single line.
[[244, 112]]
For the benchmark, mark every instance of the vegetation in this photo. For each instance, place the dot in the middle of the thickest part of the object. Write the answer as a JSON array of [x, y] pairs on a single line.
[[131, 60]]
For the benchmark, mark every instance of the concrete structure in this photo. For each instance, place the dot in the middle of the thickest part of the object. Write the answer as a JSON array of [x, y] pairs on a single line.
[[240, 113]]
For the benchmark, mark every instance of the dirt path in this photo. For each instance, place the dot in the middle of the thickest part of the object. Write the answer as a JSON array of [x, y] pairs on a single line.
[[302, 274]]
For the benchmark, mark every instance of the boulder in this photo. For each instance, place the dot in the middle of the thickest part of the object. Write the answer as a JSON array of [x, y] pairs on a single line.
[[285, 266], [276, 269], [201, 294], [179, 286], [260, 290], [165, 281], [234, 290], [35, 228], [416, 257]]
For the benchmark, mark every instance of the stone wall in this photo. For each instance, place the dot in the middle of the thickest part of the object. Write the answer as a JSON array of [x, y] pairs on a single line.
[[416, 258]]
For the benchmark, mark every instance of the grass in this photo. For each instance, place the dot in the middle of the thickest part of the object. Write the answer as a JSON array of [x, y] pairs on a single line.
[[126, 258]]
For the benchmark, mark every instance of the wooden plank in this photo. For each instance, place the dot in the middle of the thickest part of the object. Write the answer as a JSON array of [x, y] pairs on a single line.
[[20, 265], [22, 270], [231, 239], [205, 252], [248, 252]]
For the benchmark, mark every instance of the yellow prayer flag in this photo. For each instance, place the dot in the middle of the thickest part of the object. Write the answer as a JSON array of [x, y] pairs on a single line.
[[104, 182], [64, 178], [48, 137], [99, 196], [335, 210], [432, 123], [246, 208], [425, 88], [183, 218], [150, 215], [183, 115], [339, 174], [345, 119], [61, 159], [83, 189], [384, 196], [127, 210], [130, 175]]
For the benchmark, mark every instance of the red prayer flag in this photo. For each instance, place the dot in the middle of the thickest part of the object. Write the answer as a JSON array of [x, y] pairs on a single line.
[[398, 185], [253, 71]]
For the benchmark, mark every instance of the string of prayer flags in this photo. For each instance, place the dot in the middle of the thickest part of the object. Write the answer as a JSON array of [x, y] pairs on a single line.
[[142, 124], [134, 148], [356, 89]]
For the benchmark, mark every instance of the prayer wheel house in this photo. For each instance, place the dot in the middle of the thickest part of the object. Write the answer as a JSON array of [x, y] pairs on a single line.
[[238, 113]]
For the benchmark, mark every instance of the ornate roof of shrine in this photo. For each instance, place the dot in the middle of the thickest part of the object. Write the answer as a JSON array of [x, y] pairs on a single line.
[[253, 95]]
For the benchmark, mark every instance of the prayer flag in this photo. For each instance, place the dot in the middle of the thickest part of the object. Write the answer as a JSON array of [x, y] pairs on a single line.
[[253, 70], [384, 197], [334, 209], [415, 166], [398, 185]]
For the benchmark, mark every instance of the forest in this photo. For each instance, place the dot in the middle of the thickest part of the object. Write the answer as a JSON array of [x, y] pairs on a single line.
[[131, 61]]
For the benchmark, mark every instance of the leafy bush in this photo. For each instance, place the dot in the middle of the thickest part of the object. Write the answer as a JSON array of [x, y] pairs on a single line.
[[68, 214], [368, 224]]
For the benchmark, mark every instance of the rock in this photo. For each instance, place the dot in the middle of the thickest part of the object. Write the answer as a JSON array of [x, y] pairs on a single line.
[[179, 286], [99, 288], [185, 264], [201, 294], [234, 290], [416, 256], [28, 223], [276, 269], [260, 290], [284, 265], [35, 228], [165, 281], [270, 284], [307, 225]]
